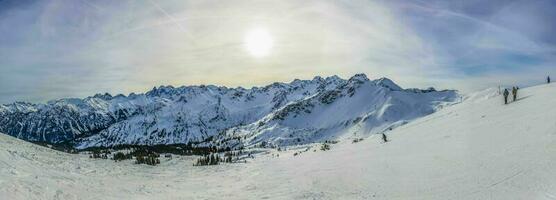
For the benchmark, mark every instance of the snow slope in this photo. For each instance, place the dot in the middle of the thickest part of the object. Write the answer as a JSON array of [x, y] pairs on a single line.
[[478, 149]]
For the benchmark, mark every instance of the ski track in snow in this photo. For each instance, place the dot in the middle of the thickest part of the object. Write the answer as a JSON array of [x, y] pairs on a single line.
[[479, 149]]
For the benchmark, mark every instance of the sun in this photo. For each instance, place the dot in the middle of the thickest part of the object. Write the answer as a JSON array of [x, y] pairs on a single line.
[[258, 42]]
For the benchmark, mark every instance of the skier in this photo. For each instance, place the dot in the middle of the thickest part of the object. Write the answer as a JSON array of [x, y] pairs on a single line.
[[548, 79], [384, 138], [514, 92], [506, 93]]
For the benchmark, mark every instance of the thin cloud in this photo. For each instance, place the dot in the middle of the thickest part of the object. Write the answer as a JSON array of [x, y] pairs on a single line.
[[131, 46]]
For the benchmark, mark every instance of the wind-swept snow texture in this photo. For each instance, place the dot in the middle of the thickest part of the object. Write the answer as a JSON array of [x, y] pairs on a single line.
[[478, 149], [300, 112]]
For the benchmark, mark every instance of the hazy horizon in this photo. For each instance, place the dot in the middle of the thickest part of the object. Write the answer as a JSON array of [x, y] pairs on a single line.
[[60, 48]]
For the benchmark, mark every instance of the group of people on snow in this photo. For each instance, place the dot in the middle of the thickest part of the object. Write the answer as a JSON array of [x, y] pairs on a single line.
[[507, 93]]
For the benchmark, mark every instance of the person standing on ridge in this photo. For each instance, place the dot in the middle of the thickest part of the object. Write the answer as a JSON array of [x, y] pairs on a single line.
[[506, 93], [548, 79], [514, 92], [384, 138]]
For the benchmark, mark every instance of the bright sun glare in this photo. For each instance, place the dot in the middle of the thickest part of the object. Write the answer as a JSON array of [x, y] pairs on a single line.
[[258, 42]]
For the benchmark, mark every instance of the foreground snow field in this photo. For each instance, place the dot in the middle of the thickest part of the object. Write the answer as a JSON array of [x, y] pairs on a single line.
[[478, 149]]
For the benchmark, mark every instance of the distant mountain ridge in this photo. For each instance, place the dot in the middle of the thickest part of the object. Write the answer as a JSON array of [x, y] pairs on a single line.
[[302, 111]]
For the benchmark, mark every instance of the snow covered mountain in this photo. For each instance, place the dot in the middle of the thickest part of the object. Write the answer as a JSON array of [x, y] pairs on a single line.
[[303, 111], [478, 149], [358, 108]]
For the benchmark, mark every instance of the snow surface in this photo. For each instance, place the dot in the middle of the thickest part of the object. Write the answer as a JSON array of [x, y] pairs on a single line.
[[478, 149]]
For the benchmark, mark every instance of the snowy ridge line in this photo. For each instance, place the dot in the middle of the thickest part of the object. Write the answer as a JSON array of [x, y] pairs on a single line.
[[299, 112]]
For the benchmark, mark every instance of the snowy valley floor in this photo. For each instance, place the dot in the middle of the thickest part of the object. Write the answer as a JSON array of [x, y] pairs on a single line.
[[479, 149]]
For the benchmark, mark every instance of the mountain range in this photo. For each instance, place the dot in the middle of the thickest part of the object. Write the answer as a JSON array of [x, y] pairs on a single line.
[[279, 114]]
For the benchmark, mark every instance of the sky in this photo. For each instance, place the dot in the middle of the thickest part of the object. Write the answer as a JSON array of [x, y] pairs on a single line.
[[52, 49]]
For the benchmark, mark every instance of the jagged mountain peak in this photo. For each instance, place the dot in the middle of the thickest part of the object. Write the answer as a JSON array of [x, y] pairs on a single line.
[[19, 106], [63, 101], [333, 78], [318, 79], [387, 83], [296, 82], [105, 96], [359, 77]]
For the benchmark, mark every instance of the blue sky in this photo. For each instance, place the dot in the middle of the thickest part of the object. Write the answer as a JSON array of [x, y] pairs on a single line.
[[75, 48]]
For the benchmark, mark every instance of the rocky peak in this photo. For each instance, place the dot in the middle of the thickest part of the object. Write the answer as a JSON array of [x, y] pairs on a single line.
[[333, 78], [161, 91], [105, 96], [318, 79], [387, 83], [19, 107], [358, 78]]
